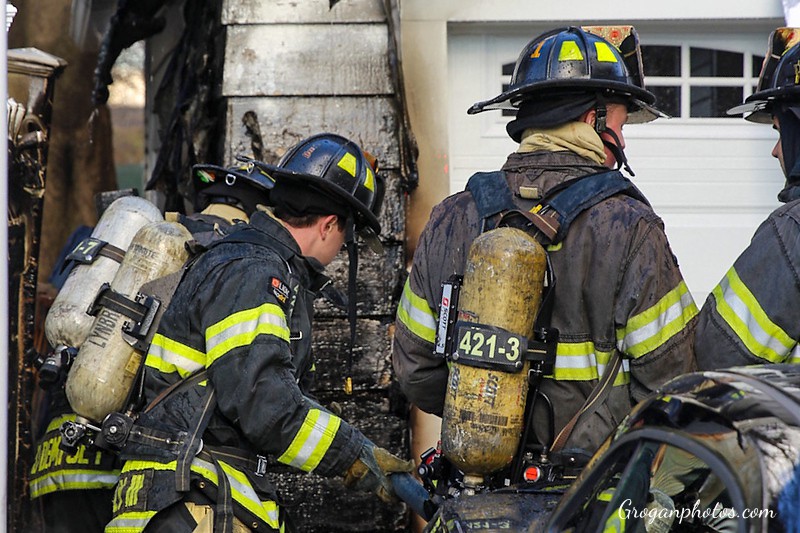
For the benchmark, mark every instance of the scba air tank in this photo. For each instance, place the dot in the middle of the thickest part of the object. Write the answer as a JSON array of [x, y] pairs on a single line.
[[106, 365], [68, 322], [487, 386]]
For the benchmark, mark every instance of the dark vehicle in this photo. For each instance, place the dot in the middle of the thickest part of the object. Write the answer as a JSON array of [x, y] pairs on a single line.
[[713, 451]]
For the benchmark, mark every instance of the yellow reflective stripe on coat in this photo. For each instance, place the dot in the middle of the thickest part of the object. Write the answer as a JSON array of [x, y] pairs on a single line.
[[742, 312], [794, 357], [242, 491], [416, 315], [240, 329], [168, 356], [73, 479], [133, 522], [580, 361], [312, 440], [655, 326]]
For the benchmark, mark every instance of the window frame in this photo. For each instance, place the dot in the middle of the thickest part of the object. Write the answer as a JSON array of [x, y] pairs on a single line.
[[685, 81]]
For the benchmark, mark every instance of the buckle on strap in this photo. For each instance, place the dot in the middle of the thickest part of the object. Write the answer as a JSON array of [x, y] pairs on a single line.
[[244, 460]]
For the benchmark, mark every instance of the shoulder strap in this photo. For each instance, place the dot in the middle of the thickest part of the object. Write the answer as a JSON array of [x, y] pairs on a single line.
[[596, 398], [560, 207], [492, 195], [580, 194]]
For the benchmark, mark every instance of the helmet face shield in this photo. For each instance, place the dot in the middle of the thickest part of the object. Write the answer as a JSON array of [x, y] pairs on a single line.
[[779, 79], [605, 60]]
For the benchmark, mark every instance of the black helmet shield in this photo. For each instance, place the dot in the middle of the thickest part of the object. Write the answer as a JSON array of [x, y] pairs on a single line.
[[244, 183]]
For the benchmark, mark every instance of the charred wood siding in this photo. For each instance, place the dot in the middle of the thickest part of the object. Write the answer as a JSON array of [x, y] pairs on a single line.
[[294, 69]]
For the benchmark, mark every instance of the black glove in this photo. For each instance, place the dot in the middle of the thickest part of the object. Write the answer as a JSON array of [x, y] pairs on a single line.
[[370, 471]]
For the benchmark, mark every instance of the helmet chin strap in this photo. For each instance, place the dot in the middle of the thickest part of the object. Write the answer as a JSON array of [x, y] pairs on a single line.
[[601, 113], [352, 270]]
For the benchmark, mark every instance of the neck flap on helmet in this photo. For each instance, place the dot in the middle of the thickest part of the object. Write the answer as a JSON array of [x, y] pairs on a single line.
[[789, 120]]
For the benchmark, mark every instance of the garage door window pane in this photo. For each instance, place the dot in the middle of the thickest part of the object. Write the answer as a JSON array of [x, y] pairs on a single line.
[[661, 60], [757, 62], [668, 99], [716, 63], [714, 101], [699, 82]]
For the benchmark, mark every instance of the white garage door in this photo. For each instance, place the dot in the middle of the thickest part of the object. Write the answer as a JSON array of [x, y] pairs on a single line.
[[710, 177]]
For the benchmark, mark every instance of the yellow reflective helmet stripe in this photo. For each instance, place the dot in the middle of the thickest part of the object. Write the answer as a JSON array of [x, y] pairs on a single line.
[[742, 312], [653, 327], [415, 314], [240, 329], [570, 52], [168, 356], [369, 181], [581, 361], [312, 440], [604, 52], [348, 163]]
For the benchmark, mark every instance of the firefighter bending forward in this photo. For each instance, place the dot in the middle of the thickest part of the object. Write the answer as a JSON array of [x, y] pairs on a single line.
[[618, 285], [752, 316], [76, 492], [238, 328]]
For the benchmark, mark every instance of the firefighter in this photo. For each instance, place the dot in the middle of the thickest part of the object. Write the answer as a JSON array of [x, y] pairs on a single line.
[[751, 316], [75, 492], [618, 288], [226, 373]]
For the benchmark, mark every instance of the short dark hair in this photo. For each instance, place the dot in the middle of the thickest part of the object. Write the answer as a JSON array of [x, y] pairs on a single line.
[[304, 221]]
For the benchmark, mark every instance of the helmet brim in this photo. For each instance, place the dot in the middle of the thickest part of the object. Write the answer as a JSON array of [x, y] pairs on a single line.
[[218, 171], [511, 99], [755, 111], [367, 225]]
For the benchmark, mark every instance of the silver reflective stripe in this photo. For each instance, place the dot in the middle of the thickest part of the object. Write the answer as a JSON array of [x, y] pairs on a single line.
[[127, 525], [185, 364], [741, 310], [581, 366], [247, 323], [313, 439], [794, 357], [61, 481], [246, 490], [654, 327]]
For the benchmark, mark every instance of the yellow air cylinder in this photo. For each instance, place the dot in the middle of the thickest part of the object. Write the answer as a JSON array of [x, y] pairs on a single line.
[[485, 406], [68, 322], [106, 365]]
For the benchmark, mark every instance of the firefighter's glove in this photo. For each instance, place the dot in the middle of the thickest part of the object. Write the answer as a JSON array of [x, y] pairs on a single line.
[[371, 469]]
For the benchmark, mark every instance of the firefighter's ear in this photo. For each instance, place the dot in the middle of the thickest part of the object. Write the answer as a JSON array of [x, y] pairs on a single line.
[[588, 117], [328, 226]]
